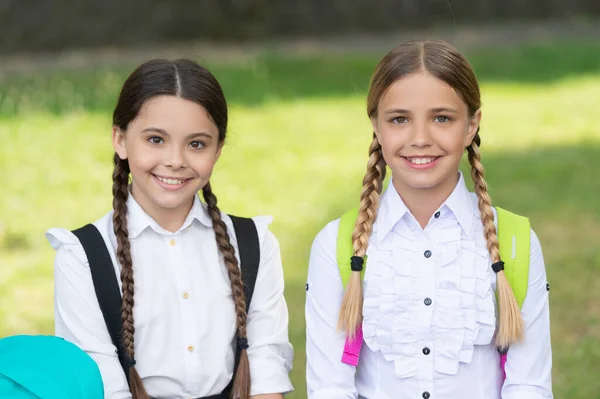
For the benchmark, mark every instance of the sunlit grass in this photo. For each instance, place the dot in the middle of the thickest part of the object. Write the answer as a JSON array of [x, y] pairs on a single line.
[[297, 150]]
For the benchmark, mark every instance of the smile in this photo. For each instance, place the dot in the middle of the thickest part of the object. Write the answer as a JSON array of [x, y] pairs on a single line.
[[424, 162], [170, 182]]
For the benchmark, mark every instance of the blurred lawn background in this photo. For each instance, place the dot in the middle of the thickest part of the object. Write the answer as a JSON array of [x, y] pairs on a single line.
[[297, 150]]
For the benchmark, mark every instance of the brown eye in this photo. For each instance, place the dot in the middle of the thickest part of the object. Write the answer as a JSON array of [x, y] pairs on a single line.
[[197, 145], [155, 140]]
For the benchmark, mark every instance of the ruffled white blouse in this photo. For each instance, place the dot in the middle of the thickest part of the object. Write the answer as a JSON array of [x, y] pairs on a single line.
[[429, 312]]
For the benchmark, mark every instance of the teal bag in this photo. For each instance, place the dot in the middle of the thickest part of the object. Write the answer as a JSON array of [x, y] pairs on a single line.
[[47, 367]]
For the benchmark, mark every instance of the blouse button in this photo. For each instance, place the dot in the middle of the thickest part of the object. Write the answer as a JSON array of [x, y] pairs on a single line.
[[437, 214], [426, 395], [172, 243], [427, 301], [185, 295], [427, 254], [190, 348], [426, 351]]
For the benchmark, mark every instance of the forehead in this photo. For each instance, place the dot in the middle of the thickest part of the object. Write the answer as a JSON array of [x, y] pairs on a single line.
[[175, 115], [420, 90]]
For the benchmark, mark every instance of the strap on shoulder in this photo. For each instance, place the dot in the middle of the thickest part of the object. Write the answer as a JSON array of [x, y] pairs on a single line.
[[514, 237], [249, 249], [107, 287], [105, 284]]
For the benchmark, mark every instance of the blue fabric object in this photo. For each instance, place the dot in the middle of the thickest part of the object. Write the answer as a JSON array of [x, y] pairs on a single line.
[[47, 367]]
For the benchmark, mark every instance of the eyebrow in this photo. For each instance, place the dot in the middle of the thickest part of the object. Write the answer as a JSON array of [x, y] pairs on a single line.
[[433, 110], [396, 111], [444, 109], [164, 132]]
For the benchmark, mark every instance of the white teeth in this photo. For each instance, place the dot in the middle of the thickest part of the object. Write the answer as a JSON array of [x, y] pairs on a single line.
[[420, 161], [169, 181]]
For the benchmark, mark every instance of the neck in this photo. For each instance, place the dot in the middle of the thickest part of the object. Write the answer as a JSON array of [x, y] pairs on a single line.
[[173, 220], [169, 219], [423, 202]]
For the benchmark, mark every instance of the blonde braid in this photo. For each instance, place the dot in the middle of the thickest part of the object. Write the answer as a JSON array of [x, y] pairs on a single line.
[[351, 309], [510, 324]]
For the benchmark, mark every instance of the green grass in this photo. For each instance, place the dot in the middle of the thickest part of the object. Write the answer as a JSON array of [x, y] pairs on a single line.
[[297, 150]]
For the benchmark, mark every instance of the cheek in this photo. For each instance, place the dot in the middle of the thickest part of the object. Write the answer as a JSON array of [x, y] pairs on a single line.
[[452, 142], [141, 159], [204, 164], [391, 141]]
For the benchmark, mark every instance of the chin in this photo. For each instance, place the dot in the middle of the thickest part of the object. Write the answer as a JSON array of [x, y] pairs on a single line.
[[170, 204], [422, 185], [419, 182], [173, 200]]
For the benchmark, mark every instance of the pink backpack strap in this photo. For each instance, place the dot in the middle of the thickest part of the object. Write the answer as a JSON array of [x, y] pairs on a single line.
[[503, 357], [352, 348], [503, 364]]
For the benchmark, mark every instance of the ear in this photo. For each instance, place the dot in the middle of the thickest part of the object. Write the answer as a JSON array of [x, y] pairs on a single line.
[[375, 125], [219, 148], [472, 128], [119, 142]]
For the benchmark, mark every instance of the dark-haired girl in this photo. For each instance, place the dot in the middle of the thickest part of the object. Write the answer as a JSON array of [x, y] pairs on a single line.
[[171, 297]]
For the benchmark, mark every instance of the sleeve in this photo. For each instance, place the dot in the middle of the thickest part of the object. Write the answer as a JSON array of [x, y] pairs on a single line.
[[77, 314], [270, 353], [529, 363], [326, 376]]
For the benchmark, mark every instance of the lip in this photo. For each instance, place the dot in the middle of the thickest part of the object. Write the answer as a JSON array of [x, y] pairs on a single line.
[[171, 187], [422, 166]]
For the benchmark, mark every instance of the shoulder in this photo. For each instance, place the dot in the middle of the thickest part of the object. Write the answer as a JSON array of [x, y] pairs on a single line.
[[261, 223], [326, 238], [537, 266], [68, 246], [535, 245], [323, 260]]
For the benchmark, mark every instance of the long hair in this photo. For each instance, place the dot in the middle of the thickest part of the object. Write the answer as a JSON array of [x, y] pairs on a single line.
[[445, 63], [188, 80]]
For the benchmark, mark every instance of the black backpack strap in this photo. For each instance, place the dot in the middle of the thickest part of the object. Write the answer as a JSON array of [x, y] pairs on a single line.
[[249, 250], [109, 295], [106, 286]]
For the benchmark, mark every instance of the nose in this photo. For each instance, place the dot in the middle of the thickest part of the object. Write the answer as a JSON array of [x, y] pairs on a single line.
[[175, 158], [421, 136]]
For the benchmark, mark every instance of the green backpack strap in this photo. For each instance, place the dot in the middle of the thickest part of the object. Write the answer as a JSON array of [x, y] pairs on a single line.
[[345, 249], [514, 237]]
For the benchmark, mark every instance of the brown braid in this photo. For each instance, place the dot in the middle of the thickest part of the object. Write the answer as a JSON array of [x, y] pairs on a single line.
[[241, 383], [120, 194], [351, 309], [510, 325]]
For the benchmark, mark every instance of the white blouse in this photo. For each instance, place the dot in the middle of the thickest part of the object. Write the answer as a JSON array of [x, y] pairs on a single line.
[[184, 314], [429, 312]]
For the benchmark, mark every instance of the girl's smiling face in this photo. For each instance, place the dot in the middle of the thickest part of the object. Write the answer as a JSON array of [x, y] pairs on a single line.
[[172, 146], [423, 127]]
